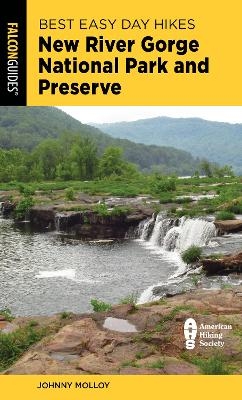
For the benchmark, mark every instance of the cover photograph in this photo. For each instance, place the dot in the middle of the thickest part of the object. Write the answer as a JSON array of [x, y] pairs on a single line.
[[120, 199]]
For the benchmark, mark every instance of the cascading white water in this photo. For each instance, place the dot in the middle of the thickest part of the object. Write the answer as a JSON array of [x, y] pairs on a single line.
[[146, 227], [57, 223], [195, 232], [162, 226], [173, 236], [177, 235]]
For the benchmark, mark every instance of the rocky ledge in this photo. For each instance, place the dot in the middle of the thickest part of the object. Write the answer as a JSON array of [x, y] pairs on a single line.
[[224, 265], [88, 224], [228, 226], [89, 344]]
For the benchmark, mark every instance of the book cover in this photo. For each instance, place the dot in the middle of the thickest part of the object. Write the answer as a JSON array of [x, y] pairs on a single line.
[[120, 193]]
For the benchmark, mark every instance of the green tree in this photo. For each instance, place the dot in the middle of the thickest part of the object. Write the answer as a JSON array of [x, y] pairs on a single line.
[[112, 162], [206, 168], [48, 155], [84, 156], [160, 184]]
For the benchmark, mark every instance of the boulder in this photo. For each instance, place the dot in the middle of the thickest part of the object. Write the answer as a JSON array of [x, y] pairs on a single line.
[[42, 217], [234, 225], [7, 208], [223, 266]]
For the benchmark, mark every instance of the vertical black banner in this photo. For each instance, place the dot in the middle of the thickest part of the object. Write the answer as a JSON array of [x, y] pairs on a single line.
[[13, 62]]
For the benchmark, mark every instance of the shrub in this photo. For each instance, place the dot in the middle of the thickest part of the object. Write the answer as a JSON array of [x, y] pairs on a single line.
[[166, 198], [130, 299], [70, 194], [159, 364], [120, 210], [99, 306], [235, 208], [65, 315], [184, 200], [6, 313], [101, 209], [195, 280], [213, 366], [191, 255], [26, 190], [225, 215], [162, 184], [23, 207]]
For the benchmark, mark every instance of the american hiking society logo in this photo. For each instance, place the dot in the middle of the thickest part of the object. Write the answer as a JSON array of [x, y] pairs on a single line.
[[209, 335], [190, 333]]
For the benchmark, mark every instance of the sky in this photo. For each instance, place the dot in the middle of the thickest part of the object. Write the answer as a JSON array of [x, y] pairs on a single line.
[[101, 114]]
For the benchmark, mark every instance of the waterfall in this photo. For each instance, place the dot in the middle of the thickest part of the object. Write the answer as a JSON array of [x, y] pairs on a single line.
[[173, 236], [57, 222], [176, 234], [161, 227], [145, 230], [170, 240], [195, 232]]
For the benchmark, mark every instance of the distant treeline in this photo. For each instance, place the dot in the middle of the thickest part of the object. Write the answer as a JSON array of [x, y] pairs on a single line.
[[68, 158], [25, 128], [72, 157]]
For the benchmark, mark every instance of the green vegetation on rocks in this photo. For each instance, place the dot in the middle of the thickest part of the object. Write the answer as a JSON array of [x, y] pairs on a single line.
[[212, 366], [70, 194], [23, 207], [6, 313], [99, 306], [225, 215], [191, 255], [13, 345]]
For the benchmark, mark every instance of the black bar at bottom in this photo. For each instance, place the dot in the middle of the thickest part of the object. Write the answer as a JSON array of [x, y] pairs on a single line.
[[13, 61]]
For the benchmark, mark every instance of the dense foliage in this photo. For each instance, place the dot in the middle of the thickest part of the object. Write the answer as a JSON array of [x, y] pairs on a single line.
[[68, 158], [35, 129]]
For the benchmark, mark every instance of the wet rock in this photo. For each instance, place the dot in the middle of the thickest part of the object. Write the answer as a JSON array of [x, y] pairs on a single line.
[[7, 208], [234, 225], [42, 217], [99, 231], [88, 224], [223, 266], [66, 220]]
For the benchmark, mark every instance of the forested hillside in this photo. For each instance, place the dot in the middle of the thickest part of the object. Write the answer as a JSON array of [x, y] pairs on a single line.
[[217, 141], [28, 128]]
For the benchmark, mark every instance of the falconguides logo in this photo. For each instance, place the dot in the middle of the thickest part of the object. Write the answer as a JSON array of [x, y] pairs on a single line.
[[190, 333], [13, 58]]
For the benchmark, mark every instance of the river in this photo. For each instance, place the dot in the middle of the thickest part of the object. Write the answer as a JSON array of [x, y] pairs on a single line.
[[47, 273]]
